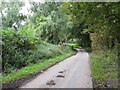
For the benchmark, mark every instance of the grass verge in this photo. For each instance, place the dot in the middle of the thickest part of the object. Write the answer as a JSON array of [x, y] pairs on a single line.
[[104, 67], [32, 68]]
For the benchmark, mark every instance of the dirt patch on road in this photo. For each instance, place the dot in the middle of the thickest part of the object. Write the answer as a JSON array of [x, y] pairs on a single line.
[[61, 72], [60, 76], [51, 82]]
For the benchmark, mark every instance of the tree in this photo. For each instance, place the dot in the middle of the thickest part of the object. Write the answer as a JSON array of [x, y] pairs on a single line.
[[100, 18], [51, 22], [10, 14]]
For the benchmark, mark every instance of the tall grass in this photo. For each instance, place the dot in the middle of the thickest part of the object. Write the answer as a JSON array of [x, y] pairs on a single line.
[[104, 66]]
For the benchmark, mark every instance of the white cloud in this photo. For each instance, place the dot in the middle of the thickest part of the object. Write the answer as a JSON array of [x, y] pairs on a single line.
[[41, 1], [23, 22], [25, 9], [4, 12]]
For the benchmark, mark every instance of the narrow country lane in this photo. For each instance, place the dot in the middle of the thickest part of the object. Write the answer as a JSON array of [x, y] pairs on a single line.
[[73, 72]]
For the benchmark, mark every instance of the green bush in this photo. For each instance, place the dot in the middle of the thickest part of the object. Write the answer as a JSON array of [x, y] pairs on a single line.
[[15, 45], [21, 48]]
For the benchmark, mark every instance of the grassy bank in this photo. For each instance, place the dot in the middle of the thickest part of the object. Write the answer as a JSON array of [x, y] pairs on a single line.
[[32, 68], [104, 66], [23, 53]]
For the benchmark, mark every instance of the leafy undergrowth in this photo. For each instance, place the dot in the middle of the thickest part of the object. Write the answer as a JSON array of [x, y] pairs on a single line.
[[32, 68], [104, 66], [23, 52], [19, 48]]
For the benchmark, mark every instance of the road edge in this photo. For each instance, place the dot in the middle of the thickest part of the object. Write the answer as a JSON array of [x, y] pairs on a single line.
[[25, 79]]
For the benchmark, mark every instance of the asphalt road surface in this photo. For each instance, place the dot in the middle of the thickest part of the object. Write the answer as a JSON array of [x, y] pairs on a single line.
[[73, 72]]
